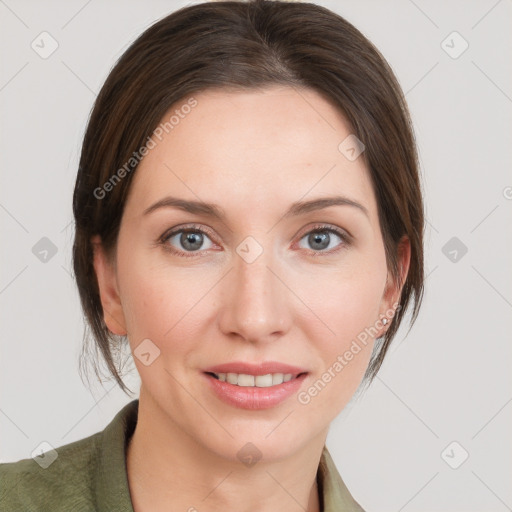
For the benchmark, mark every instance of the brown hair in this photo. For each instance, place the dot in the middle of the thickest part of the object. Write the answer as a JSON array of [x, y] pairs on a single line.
[[246, 45]]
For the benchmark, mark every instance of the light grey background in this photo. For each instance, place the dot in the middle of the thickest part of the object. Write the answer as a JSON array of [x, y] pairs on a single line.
[[448, 380]]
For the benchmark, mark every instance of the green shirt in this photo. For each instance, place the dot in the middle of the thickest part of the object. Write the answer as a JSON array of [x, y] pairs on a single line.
[[90, 475]]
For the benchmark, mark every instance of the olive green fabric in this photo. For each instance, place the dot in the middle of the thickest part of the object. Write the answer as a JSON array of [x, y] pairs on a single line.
[[90, 475]]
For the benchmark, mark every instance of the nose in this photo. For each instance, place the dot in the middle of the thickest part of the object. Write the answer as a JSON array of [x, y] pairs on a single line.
[[254, 306]]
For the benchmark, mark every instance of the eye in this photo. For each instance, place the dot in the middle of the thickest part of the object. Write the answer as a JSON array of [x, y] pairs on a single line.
[[322, 239], [190, 241], [186, 240]]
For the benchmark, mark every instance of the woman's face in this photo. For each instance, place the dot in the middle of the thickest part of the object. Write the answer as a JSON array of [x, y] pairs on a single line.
[[272, 277]]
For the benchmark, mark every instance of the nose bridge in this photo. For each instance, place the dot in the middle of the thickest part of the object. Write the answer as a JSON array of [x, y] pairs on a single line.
[[254, 307]]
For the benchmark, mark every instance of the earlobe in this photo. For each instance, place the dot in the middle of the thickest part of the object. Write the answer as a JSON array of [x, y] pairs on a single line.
[[109, 292], [393, 290], [404, 260]]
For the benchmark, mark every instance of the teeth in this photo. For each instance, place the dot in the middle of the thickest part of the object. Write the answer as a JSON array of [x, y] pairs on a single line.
[[259, 381], [262, 381], [245, 380]]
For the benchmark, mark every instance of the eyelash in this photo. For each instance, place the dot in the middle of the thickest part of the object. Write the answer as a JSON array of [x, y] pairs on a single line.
[[194, 228]]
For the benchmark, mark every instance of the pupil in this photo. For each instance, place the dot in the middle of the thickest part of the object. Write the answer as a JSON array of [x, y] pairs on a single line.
[[320, 238], [192, 241]]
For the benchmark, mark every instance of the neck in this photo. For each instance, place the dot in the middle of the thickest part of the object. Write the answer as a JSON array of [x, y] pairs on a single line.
[[169, 470]]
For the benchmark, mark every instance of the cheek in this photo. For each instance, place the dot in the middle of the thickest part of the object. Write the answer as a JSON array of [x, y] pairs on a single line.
[[348, 305], [347, 301], [157, 302], [162, 307]]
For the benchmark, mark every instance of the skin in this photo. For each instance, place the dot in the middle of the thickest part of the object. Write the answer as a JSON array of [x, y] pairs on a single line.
[[293, 304]]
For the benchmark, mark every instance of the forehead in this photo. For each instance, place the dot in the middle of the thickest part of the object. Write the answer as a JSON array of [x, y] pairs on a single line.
[[262, 146]]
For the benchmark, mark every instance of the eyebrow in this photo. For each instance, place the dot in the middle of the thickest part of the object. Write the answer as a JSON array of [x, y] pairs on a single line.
[[215, 211]]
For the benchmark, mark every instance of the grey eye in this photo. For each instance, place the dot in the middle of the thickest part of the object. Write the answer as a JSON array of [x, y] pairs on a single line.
[[189, 240], [321, 240]]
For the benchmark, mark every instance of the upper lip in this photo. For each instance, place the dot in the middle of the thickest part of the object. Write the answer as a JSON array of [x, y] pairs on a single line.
[[263, 368]]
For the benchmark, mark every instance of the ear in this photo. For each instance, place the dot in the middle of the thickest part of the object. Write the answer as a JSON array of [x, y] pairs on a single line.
[[108, 288], [393, 290]]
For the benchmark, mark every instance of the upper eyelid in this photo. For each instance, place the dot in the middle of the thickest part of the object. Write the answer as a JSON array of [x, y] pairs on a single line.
[[174, 231], [325, 227]]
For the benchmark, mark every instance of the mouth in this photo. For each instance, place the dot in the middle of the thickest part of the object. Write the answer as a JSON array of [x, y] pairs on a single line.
[[264, 388], [255, 385], [256, 381]]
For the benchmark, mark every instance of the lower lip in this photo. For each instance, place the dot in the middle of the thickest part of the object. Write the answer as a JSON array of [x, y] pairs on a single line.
[[253, 397]]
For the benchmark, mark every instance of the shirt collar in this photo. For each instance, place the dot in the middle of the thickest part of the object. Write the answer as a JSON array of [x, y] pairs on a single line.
[[334, 495], [111, 479]]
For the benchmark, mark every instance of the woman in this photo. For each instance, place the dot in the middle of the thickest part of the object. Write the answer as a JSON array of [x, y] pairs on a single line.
[[249, 220]]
